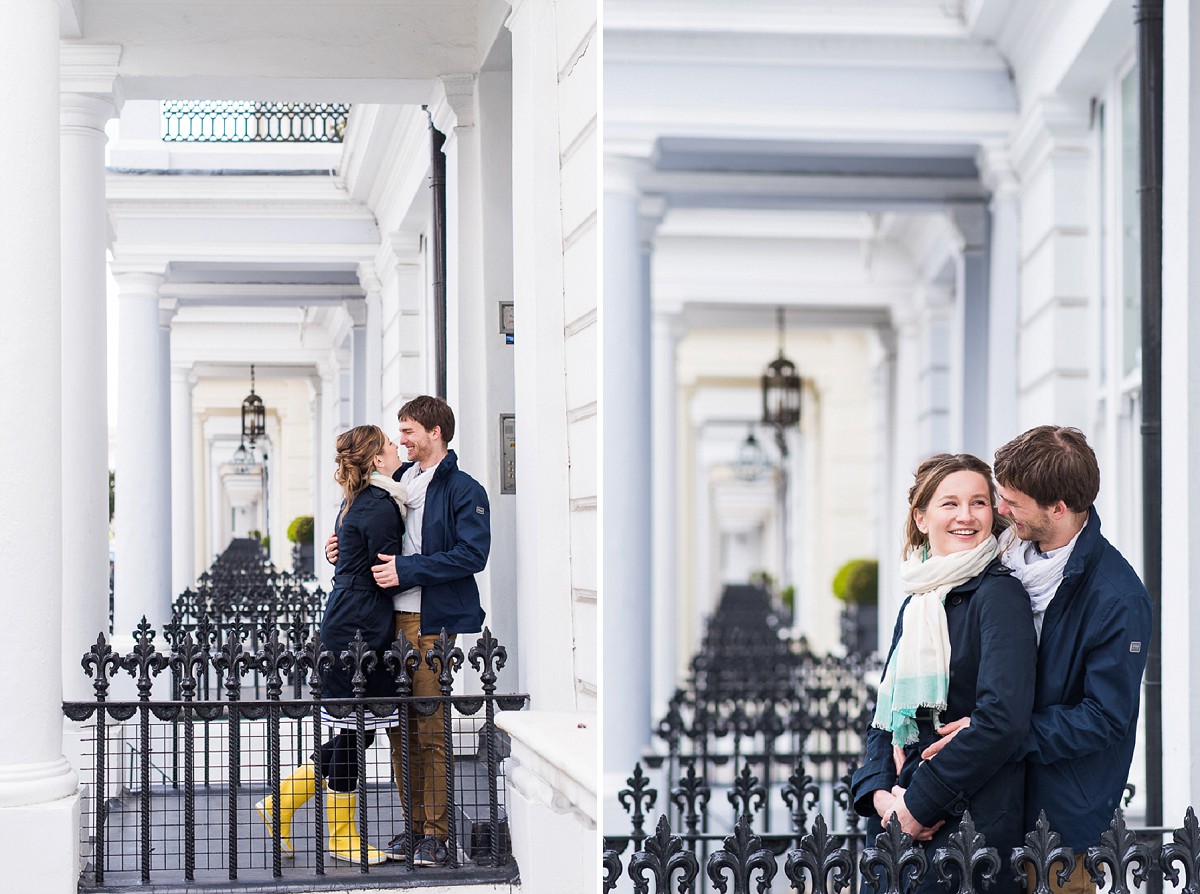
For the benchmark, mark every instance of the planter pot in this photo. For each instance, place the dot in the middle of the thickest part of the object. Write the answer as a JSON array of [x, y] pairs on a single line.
[[860, 628], [302, 558]]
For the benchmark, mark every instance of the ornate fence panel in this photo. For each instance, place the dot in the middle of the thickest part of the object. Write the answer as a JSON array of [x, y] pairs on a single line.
[[174, 773], [762, 728], [1121, 862]]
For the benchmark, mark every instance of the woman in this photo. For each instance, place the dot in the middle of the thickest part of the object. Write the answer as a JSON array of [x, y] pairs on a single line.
[[963, 655], [371, 521]]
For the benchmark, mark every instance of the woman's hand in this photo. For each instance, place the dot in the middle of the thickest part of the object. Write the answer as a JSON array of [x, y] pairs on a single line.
[[331, 549], [898, 758], [882, 801], [908, 822], [947, 732]]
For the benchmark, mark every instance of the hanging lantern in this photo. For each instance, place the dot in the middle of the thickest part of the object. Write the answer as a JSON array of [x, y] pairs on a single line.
[[254, 415], [751, 463], [781, 393], [243, 461]]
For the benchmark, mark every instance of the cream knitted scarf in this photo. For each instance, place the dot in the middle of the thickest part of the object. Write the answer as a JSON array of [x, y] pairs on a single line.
[[398, 491], [918, 674]]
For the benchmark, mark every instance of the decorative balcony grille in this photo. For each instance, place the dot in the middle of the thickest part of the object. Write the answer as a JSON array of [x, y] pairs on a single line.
[[171, 781], [243, 121], [821, 862]]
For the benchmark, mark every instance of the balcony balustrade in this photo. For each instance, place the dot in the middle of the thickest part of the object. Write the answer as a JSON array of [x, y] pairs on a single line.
[[232, 703]]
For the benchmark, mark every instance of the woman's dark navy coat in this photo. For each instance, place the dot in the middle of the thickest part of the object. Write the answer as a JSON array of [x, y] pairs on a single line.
[[371, 525], [992, 664]]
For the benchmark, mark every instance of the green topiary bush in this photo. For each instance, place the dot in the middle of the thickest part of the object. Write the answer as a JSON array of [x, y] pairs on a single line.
[[301, 529], [857, 582]]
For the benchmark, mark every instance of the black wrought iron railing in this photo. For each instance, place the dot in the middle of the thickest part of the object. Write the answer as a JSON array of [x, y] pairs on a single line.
[[820, 861], [173, 775], [242, 592], [759, 715], [243, 121], [763, 737]]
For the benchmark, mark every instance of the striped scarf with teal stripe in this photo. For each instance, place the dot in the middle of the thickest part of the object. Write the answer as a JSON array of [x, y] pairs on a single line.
[[918, 671]]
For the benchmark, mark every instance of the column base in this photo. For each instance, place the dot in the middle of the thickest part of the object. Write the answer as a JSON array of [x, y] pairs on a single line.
[[39, 846]]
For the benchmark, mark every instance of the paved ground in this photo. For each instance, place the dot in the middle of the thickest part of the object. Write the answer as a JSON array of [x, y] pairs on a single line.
[[254, 845]]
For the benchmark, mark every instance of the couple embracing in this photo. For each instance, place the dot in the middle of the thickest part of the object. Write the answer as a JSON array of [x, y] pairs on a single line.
[[1013, 681]]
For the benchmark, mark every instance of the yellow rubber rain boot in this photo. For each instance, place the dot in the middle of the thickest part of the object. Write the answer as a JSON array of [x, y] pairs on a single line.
[[294, 793], [341, 809]]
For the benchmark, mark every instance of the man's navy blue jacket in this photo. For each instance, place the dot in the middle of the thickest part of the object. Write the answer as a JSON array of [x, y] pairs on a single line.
[[1095, 635], [456, 537]]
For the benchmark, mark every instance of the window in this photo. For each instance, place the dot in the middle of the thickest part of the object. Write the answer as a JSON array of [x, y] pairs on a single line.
[[1117, 409]]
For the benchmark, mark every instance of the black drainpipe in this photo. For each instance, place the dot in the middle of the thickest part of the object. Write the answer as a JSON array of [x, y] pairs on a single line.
[[1148, 19], [437, 182]]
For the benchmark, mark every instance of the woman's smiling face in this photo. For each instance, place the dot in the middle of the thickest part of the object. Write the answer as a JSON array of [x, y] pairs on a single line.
[[959, 517]]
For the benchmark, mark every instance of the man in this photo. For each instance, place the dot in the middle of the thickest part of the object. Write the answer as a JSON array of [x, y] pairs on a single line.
[[446, 541], [1093, 617]]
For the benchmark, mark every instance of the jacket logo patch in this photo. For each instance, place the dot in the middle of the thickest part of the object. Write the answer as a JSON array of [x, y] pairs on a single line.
[[479, 510], [1135, 646]]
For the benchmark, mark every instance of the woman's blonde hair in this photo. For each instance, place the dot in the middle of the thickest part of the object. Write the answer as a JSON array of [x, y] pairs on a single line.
[[356, 452], [930, 475]]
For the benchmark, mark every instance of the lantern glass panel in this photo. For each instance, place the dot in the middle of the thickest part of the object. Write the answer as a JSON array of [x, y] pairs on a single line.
[[781, 394], [254, 418]]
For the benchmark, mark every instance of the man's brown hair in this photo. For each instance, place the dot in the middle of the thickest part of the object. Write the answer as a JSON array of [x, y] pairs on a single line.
[[429, 413], [1051, 463]]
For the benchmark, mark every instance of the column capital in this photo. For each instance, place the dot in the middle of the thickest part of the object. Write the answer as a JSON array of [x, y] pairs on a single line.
[[368, 278], [623, 174], [651, 211], [184, 374], [85, 112], [135, 279], [667, 324], [396, 248], [1052, 125], [454, 108], [91, 70], [970, 222], [356, 310], [995, 164], [167, 308]]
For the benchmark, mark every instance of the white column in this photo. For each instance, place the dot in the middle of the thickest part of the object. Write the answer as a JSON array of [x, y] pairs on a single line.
[[970, 358], [183, 511], [39, 805], [908, 448], [373, 346], [544, 596], [399, 263], [1004, 297], [1181, 402], [334, 419], [551, 794], [889, 495], [665, 334], [358, 358], [479, 363], [626, 419], [85, 388], [143, 473]]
